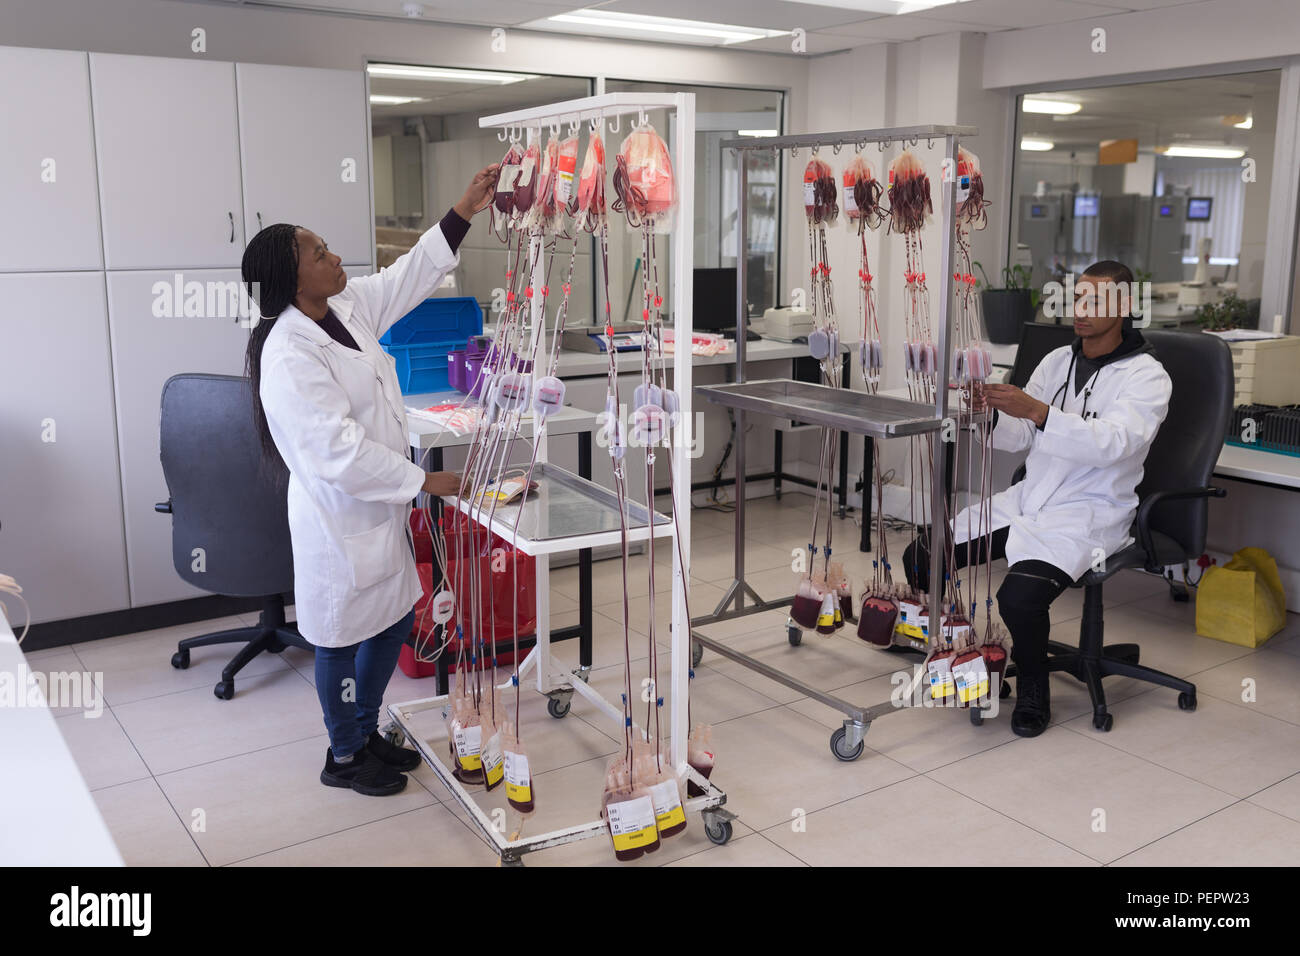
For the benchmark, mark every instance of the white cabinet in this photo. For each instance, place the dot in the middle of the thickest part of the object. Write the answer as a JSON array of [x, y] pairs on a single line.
[[304, 138], [47, 163], [147, 350], [60, 498], [167, 142]]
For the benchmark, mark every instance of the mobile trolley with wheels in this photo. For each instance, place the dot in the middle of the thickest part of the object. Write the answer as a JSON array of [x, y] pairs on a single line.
[[875, 417], [568, 513]]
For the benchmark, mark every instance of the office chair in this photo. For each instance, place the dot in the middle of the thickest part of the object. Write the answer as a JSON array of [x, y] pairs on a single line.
[[222, 502], [1173, 510]]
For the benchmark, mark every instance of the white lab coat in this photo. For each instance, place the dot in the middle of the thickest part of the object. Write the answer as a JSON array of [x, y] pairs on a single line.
[[1078, 498], [339, 420]]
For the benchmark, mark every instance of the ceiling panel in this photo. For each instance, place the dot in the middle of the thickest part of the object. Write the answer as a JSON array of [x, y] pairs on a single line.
[[1006, 14], [909, 26], [770, 14], [499, 13]]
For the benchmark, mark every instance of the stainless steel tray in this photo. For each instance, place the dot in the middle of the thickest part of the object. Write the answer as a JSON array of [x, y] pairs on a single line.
[[858, 413], [567, 513]]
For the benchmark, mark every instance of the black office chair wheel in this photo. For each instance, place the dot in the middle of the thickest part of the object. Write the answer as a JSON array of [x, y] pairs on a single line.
[[718, 833], [1103, 722], [697, 653], [557, 708], [841, 751], [794, 635], [224, 689], [181, 660], [1187, 701]]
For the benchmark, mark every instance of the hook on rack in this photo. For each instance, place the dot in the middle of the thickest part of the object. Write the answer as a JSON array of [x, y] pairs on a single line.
[[640, 117], [913, 141], [837, 148], [594, 124], [502, 136], [575, 126], [555, 128], [794, 152], [618, 122], [929, 143]]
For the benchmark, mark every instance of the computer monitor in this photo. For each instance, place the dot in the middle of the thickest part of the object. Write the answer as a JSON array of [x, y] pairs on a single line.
[[1086, 207], [1198, 208], [714, 300]]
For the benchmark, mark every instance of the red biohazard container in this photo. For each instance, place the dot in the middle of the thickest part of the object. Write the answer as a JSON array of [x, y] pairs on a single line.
[[499, 566]]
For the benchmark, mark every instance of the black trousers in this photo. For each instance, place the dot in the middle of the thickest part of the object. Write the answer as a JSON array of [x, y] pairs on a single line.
[[1026, 593]]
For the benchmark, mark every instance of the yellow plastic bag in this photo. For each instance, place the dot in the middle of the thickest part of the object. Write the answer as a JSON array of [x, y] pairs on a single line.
[[1241, 602]]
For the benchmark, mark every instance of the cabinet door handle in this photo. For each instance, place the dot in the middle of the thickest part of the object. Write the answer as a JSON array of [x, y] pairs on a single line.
[[232, 225], [259, 222]]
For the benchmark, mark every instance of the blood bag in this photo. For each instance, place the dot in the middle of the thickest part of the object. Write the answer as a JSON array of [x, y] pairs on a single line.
[[512, 391], [566, 166], [518, 775], [876, 620], [591, 185], [548, 396], [826, 614], [928, 358], [806, 605], [647, 395], [970, 677], [491, 756], [938, 673], [649, 425], [819, 192], [819, 344], [650, 193], [526, 184], [503, 195]]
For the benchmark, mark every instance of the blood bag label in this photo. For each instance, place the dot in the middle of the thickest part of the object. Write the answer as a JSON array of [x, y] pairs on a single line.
[[469, 744], [939, 672], [564, 181], [492, 760], [850, 202], [519, 783], [526, 171], [632, 823], [972, 679], [507, 176], [809, 196], [963, 188], [668, 804]]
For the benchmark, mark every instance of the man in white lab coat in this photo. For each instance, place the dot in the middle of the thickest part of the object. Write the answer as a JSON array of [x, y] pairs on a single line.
[[327, 401], [1087, 416]]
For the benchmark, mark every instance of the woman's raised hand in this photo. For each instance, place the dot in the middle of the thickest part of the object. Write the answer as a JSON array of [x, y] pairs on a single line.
[[478, 194]]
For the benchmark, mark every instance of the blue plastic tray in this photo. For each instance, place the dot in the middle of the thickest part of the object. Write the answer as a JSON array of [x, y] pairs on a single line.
[[420, 340]]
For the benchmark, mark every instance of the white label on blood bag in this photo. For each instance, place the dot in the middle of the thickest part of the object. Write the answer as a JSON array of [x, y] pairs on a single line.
[[850, 203], [526, 171], [972, 678], [507, 176], [630, 816], [517, 769], [564, 186], [469, 740], [939, 671], [668, 804], [492, 758], [963, 188], [809, 195]]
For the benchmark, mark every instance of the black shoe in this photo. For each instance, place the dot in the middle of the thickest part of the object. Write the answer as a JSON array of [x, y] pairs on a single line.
[[399, 758], [365, 774], [1033, 707]]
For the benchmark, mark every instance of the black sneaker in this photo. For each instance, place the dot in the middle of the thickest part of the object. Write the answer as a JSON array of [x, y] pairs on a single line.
[[399, 758], [365, 774], [1033, 706]]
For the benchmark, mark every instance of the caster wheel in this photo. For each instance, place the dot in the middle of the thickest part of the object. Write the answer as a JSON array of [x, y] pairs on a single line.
[[395, 737], [718, 833], [1187, 701], [976, 716], [557, 708], [794, 635], [181, 660], [841, 751], [1004, 691], [697, 653], [224, 690], [1103, 722]]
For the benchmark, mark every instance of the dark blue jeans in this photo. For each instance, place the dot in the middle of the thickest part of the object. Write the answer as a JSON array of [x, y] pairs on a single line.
[[350, 682]]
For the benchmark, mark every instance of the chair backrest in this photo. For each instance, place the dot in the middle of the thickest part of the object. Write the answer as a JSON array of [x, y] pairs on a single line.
[[1188, 444], [1036, 340], [222, 501]]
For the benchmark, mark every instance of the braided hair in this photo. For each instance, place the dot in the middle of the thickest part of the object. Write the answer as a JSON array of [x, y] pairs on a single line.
[[270, 271]]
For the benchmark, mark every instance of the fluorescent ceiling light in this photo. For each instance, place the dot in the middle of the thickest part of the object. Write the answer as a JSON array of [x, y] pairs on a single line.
[[882, 6], [1036, 145], [1247, 123], [663, 28], [756, 132], [1037, 104], [1205, 152], [380, 99], [397, 71]]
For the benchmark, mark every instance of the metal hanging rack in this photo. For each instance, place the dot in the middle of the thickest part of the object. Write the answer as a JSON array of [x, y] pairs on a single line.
[[569, 513], [859, 413]]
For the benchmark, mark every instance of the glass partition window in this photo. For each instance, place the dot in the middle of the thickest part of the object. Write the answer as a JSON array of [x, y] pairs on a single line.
[[1171, 178]]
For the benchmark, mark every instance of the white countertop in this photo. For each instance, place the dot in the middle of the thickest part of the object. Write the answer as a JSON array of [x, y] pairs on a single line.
[[423, 434], [47, 815]]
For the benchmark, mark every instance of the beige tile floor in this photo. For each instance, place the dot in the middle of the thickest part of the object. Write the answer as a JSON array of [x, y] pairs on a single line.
[[185, 779]]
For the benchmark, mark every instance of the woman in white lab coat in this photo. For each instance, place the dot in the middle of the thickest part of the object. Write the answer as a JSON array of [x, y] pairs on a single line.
[[1087, 416], [327, 401]]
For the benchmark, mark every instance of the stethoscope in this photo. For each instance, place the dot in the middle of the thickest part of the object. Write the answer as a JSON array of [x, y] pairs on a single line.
[[1087, 388]]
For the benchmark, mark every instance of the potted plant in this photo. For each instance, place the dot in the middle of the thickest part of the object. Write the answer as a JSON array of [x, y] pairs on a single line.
[[1008, 308], [1231, 313]]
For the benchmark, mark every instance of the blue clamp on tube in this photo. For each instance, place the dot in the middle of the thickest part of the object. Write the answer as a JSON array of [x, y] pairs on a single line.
[[659, 702], [627, 721], [691, 673]]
